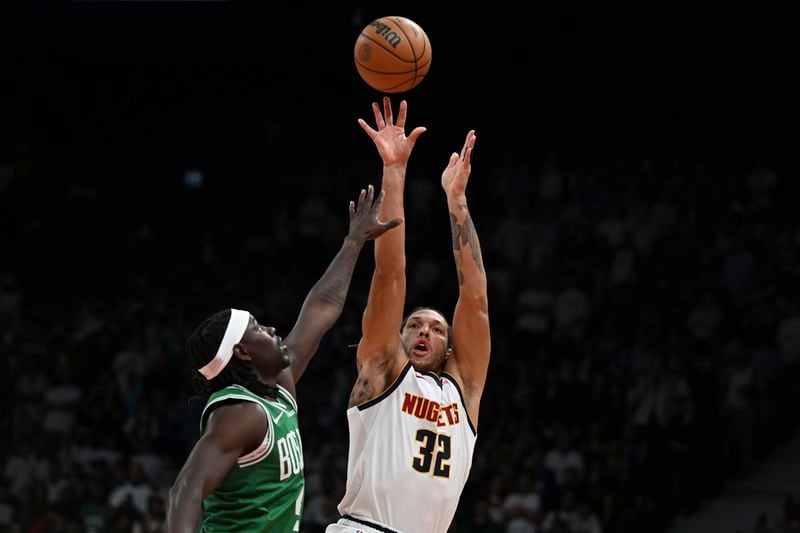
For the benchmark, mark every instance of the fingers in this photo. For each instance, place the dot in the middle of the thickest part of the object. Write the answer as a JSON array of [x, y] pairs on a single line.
[[472, 138], [401, 114], [365, 198], [386, 226], [374, 227], [469, 142], [366, 127], [466, 145], [393, 223], [416, 133], [370, 195], [453, 159], [377, 205], [387, 110], [378, 116], [361, 198]]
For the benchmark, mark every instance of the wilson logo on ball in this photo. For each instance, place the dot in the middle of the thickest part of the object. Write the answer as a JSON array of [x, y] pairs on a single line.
[[387, 33], [392, 54]]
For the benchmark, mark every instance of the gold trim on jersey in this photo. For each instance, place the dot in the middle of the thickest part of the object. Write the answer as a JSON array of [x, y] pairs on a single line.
[[387, 392], [463, 402]]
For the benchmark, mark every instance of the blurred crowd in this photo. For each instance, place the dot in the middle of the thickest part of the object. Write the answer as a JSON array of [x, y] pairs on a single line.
[[645, 334], [786, 521]]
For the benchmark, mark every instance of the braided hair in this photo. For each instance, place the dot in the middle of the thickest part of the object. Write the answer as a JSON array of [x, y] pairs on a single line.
[[201, 347]]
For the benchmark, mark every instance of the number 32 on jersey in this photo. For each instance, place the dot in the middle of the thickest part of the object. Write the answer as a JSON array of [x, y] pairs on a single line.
[[434, 453]]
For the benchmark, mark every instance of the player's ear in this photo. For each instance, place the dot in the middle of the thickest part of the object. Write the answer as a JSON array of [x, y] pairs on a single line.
[[241, 352], [448, 354]]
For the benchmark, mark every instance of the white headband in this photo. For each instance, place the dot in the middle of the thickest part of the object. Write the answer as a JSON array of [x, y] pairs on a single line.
[[233, 334]]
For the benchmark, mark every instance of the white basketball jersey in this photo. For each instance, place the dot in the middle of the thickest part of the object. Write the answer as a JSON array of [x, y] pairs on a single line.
[[410, 454]]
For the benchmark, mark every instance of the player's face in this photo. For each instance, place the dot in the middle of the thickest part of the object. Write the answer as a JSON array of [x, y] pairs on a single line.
[[268, 354], [425, 340]]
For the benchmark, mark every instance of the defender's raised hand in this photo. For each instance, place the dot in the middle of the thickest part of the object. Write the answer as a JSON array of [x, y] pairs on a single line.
[[456, 175], [390, 137], [364, 223]]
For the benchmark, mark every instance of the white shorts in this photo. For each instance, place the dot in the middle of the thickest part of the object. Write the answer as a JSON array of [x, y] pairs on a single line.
[[345, 525]]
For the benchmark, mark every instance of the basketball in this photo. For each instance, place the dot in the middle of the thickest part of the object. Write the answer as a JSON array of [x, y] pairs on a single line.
[[393, 54]]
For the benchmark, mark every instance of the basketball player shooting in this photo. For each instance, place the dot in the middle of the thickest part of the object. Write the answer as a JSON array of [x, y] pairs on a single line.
[[413, 411]]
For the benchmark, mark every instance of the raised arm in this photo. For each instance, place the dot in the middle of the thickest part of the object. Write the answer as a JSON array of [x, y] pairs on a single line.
[[323, 305], [383, 315], [471, 338]]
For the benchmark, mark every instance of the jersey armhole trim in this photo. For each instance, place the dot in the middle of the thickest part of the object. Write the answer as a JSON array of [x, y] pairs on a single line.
[[388, 391], [267, 443], [264, 449], [461, 395], [288, 396]]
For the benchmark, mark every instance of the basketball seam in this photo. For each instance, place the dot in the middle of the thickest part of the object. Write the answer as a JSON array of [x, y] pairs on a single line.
[[390, 89], [411, 45], [378, 43], [360, 64]]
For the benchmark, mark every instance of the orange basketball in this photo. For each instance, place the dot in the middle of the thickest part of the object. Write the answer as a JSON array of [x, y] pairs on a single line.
[[393, 54]]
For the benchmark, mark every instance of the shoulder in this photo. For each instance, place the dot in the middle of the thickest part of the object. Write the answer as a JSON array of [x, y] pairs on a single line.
[[240, 425], [384, 368], [376, 380], [229, 396], [233, 404], [233, 413], [232, 393]]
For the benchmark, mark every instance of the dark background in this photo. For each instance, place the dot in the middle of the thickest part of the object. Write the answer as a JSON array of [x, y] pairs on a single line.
[[198, 82], [117, 100], [108, 260]]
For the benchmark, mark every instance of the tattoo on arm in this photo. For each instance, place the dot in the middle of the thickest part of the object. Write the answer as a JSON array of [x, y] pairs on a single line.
[[360, 392], [465, 234], [455, 229]]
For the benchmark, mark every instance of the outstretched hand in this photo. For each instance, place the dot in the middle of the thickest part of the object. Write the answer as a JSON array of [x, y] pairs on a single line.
[[390, 137], [456, 175], [364, 223]]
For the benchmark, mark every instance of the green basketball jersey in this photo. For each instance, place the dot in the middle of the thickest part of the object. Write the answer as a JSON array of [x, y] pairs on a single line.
[[263, 492]]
